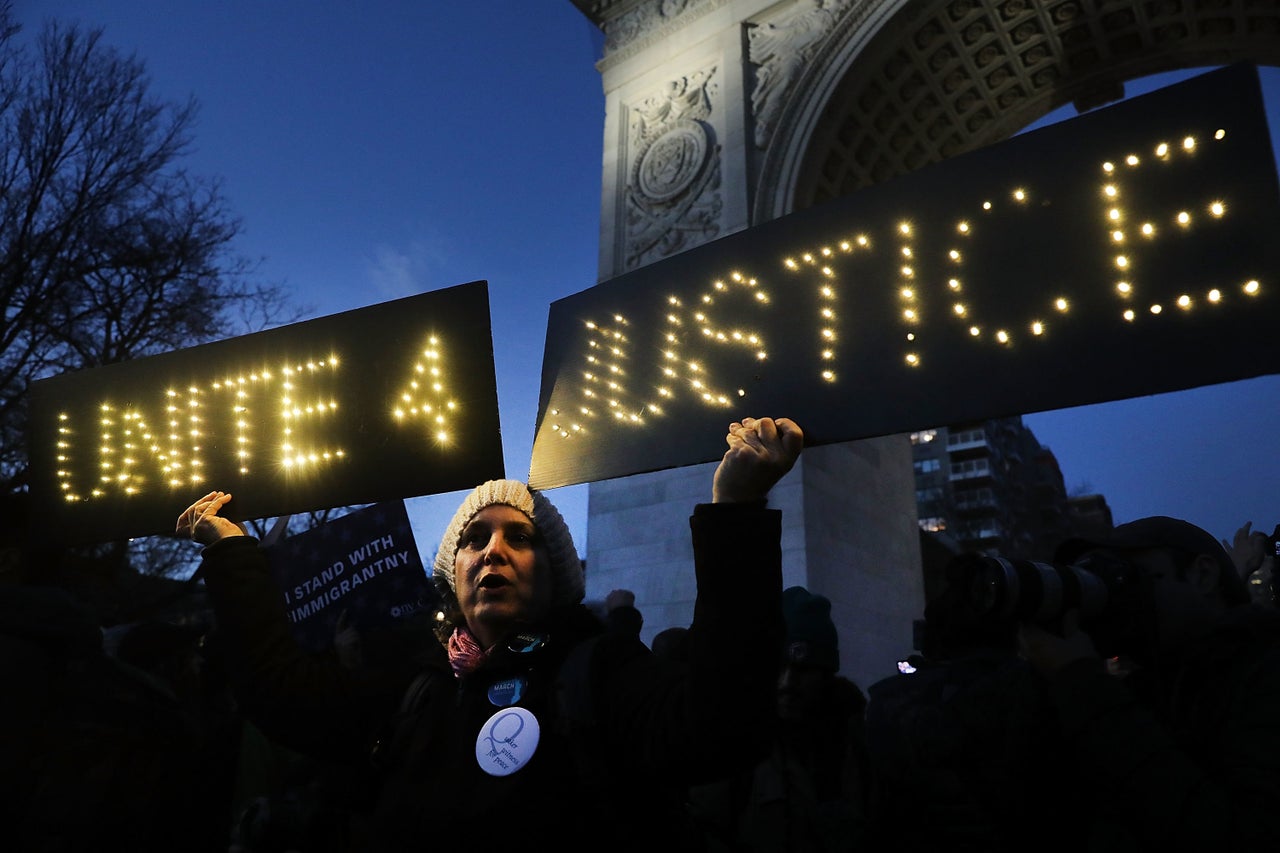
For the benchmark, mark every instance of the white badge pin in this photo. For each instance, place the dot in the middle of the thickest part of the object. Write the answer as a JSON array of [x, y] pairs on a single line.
[[507, 741]]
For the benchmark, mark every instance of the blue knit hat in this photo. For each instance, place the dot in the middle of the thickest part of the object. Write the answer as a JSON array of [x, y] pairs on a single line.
[[811, 635]]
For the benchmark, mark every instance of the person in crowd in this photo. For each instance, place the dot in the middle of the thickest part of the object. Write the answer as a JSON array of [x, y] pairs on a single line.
[[98, 753], [1182, 751], [621, 612], [1254, 555], [671, 644], [1264, 586], [809, 794], [964, 749], [524, 720]]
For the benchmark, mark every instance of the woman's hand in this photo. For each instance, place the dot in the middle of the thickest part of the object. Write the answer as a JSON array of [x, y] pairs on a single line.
[[761, 451], [201, 522]]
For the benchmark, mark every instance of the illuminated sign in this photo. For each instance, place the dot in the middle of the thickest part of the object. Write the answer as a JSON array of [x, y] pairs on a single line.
[[391, 401], [1126, 252]]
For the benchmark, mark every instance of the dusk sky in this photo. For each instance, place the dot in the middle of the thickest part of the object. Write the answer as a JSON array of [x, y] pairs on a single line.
[[390, 147]]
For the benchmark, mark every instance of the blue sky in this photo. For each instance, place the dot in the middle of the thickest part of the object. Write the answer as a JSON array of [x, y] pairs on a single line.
[[380, 149]]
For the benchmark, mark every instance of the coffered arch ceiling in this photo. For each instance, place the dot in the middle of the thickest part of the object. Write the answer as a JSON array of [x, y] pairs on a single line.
[[942, 77]]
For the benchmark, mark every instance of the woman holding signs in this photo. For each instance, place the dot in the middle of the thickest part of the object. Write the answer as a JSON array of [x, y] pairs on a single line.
[[523, 720]]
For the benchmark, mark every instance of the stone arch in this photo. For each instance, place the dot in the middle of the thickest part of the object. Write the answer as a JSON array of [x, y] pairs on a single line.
[[899, 85]]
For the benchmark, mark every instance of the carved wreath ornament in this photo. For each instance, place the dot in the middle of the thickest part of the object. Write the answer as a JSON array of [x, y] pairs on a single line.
[[672, 164]]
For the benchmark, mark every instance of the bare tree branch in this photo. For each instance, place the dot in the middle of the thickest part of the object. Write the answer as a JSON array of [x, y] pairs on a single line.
[[110, 249]]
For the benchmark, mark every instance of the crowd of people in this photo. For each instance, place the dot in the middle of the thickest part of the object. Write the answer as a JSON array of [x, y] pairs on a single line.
[[521, 716]]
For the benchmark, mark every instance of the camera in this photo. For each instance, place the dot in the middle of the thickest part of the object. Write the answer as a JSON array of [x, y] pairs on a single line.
[[1107, 590], [1273, 543]]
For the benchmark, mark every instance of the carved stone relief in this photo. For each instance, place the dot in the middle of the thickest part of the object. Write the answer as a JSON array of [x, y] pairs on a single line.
[[645, 21], [672, 198], [780, 48]]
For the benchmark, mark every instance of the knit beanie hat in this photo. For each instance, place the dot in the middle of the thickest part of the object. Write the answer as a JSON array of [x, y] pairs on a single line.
[[811, 635], [566, 569]]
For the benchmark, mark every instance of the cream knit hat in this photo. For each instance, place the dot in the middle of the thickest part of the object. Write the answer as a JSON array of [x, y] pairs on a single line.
[[566, 569]]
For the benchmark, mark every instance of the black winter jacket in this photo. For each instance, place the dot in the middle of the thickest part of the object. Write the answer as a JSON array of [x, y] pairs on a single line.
[[1184, 756], [620, 734]]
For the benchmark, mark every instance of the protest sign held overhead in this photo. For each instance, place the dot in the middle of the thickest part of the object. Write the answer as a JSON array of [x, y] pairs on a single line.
[[1127, 252], [391, 401]]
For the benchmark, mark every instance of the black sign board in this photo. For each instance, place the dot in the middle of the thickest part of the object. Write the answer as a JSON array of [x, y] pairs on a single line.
[[1127, 252], [391, 401]]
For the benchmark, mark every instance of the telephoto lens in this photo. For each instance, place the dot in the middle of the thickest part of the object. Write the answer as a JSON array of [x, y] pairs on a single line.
[[1029, 591], [1004, 590]]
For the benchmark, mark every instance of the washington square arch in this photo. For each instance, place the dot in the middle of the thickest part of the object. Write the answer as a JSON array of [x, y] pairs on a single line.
[[721, 115]]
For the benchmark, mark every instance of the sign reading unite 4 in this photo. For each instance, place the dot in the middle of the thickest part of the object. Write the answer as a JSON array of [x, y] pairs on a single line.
[[391, 401], [1126, 252]]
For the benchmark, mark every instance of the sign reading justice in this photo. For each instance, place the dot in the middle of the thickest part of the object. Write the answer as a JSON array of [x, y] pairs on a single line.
[[390, 401], [1127, 252]]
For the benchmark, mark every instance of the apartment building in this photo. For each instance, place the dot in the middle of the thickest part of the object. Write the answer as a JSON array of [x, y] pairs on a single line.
[[991, 486]]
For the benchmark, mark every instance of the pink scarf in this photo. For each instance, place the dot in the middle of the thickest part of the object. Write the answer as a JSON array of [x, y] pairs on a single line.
[[465, 654]]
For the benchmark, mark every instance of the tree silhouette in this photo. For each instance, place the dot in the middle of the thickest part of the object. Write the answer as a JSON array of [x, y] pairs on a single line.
[[109, 249]]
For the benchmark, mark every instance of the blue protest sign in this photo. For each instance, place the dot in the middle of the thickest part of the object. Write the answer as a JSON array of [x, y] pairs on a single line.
[[365, 563]]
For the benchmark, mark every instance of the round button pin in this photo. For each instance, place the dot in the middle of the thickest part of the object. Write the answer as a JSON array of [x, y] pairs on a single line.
[[525, 643], [506, 692], [507, 741]]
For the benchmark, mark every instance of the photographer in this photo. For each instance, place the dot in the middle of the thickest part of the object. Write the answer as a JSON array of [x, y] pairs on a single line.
[[964, 746], [1182, 749]]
